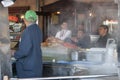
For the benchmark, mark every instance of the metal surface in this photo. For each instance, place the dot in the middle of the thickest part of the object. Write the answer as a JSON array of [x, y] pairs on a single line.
[[68, 77], [97, 61]]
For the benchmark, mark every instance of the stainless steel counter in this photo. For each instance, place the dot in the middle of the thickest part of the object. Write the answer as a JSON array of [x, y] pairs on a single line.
[[97, 61]]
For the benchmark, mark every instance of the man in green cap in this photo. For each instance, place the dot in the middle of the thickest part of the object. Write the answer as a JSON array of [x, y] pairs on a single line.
[[31, 16], [29, 56]]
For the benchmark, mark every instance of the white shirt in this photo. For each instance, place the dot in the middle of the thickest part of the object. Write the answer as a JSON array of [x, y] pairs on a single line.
[[63, 34]]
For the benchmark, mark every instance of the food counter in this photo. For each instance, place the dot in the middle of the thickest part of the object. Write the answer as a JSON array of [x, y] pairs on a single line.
[[62, 61], [59, 52], [55, 53], [59, 60]]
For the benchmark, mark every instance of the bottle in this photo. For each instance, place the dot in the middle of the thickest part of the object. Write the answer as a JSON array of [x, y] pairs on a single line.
[[74, 55]]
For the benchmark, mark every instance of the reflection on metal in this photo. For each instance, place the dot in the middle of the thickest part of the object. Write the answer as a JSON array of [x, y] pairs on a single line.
[[68, 77]]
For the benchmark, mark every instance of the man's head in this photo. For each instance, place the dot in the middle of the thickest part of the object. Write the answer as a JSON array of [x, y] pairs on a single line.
[[80, 33], [64, 25], [30, 16], [103, 30]]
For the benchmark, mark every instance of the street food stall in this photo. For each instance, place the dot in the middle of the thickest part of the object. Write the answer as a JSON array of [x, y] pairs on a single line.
[[64, 59]]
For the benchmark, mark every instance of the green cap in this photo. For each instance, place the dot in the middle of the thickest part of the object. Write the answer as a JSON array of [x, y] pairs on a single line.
[[30, 15]]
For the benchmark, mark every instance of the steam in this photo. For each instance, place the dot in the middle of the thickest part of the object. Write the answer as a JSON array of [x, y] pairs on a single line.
[[90, 16]]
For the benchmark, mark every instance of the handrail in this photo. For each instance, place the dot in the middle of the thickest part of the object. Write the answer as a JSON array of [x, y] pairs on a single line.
[[67, 77]]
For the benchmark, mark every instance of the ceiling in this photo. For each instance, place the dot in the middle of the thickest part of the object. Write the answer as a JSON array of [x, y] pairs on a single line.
[[33, 3], [86, 1], [51, 5], [47, 2]]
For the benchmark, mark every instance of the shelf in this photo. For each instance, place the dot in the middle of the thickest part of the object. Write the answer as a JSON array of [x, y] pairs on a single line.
[[13, 40]]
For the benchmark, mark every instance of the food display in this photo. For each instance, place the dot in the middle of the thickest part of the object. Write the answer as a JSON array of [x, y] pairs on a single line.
[[68, 45], [50, 42], [54, 48]]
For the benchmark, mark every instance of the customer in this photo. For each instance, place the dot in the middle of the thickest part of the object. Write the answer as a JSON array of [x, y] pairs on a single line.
[[29, 55], [103, 32], [81, 40], [64, 32]]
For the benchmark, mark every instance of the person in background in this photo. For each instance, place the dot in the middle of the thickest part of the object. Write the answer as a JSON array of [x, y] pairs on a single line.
[[81, 40], [64, 32], [29, 56], [103, 32]]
